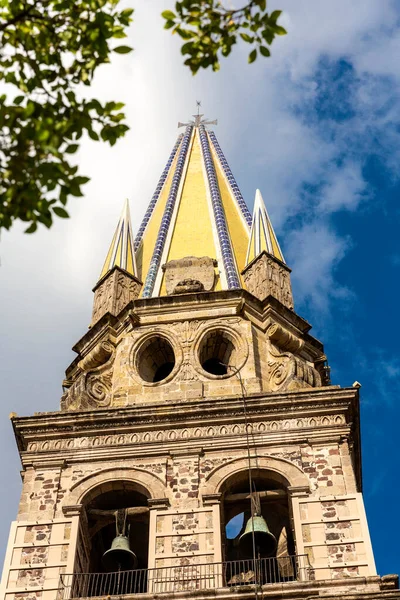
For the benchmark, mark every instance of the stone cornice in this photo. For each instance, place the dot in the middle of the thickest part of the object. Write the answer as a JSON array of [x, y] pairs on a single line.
[[150, 417], [121, 446], [180, 411]]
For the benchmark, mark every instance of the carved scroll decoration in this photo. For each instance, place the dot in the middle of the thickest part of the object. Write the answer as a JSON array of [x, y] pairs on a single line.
[[92, 388], [286, 371]]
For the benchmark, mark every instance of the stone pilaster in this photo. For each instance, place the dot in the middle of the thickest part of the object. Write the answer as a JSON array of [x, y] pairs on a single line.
[[113, 292], [267, 276]]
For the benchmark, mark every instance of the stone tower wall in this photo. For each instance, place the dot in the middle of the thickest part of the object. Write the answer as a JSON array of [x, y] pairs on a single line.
[[183, 468], [184, 441]]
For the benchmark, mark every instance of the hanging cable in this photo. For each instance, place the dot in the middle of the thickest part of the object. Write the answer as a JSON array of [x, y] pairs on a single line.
[[252, 488]]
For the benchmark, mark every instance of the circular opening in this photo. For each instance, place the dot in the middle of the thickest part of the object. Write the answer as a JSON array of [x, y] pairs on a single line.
[[156, 360], [217, 354]]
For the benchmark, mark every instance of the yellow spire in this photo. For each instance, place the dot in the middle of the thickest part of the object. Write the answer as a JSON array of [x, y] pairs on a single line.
[[121, 253], [197, 211], [262, 235]]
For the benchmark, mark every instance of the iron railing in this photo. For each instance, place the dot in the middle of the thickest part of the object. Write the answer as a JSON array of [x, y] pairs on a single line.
[[186, 577]]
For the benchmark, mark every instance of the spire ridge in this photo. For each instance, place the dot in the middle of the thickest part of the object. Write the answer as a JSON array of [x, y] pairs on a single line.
[[196, 229], [121, 252], [262, 234]]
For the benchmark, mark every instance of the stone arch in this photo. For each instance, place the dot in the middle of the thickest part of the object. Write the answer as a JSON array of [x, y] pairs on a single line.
[[104, 479], [285, 471]]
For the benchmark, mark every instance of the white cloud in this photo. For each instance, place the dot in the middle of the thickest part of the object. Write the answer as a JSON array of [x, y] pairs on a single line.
[[314, 251], [344, 190]]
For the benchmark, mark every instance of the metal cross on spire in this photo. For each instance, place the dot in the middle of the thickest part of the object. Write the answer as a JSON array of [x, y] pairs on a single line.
[[198, 119]]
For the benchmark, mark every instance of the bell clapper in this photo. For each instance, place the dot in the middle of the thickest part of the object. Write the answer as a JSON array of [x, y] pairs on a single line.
[[257, 541], [120, 557]]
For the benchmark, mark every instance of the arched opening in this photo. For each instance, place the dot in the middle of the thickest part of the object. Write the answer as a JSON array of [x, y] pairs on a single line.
[[217, 353], [273, 543], [155, 359], [114, 541]]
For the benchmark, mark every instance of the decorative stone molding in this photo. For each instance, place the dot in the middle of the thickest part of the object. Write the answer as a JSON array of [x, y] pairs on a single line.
[[49, 463], [186, 331], [266, 276], [282, 338], [72, 511], [85, 488], [211, 499], [185, 433], [190, 274], [284, 471], [158, 503], [97, 357], [298, 491], [184, 453], [113, 292]]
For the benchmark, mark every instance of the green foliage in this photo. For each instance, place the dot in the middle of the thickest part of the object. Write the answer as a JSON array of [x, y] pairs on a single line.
[[48, 48], [210, 30]]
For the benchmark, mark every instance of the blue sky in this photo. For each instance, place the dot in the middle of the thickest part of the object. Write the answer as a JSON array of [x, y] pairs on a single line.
[[317, 129]]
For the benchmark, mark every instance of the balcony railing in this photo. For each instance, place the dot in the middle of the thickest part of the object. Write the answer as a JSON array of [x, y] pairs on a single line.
[[185, 578]]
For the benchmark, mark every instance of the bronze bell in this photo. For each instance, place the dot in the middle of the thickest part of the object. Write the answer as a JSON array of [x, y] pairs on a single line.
[[265, 541], [119, 557]]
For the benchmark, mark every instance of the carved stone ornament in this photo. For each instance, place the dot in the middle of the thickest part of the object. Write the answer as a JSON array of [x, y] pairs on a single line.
[[189, 285], [190, 274], [288, 372], [92, 388], [114, 292], [266, 276], [282, 338], [186, 332], [206, 433]]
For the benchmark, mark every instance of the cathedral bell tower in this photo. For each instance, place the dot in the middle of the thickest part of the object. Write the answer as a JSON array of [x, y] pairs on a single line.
[[200, 447]]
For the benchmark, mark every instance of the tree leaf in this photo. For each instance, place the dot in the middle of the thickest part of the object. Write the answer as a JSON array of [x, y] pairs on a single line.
[[32, 228], [280, 30], [169, 15], [72, 148], [252, 56], [123, 49], [275, 15], [247, 38], [60, 212]]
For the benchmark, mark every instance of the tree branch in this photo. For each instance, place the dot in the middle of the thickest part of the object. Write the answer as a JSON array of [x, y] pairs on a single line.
[[20, 17]]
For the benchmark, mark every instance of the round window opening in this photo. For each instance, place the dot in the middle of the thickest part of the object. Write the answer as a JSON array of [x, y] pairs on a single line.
[[217, 354], [156, 360]]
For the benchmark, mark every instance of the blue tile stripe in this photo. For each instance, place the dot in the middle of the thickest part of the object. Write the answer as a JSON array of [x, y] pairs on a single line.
[[156, 194], [232, 181], [219, 215], [167, 216]]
